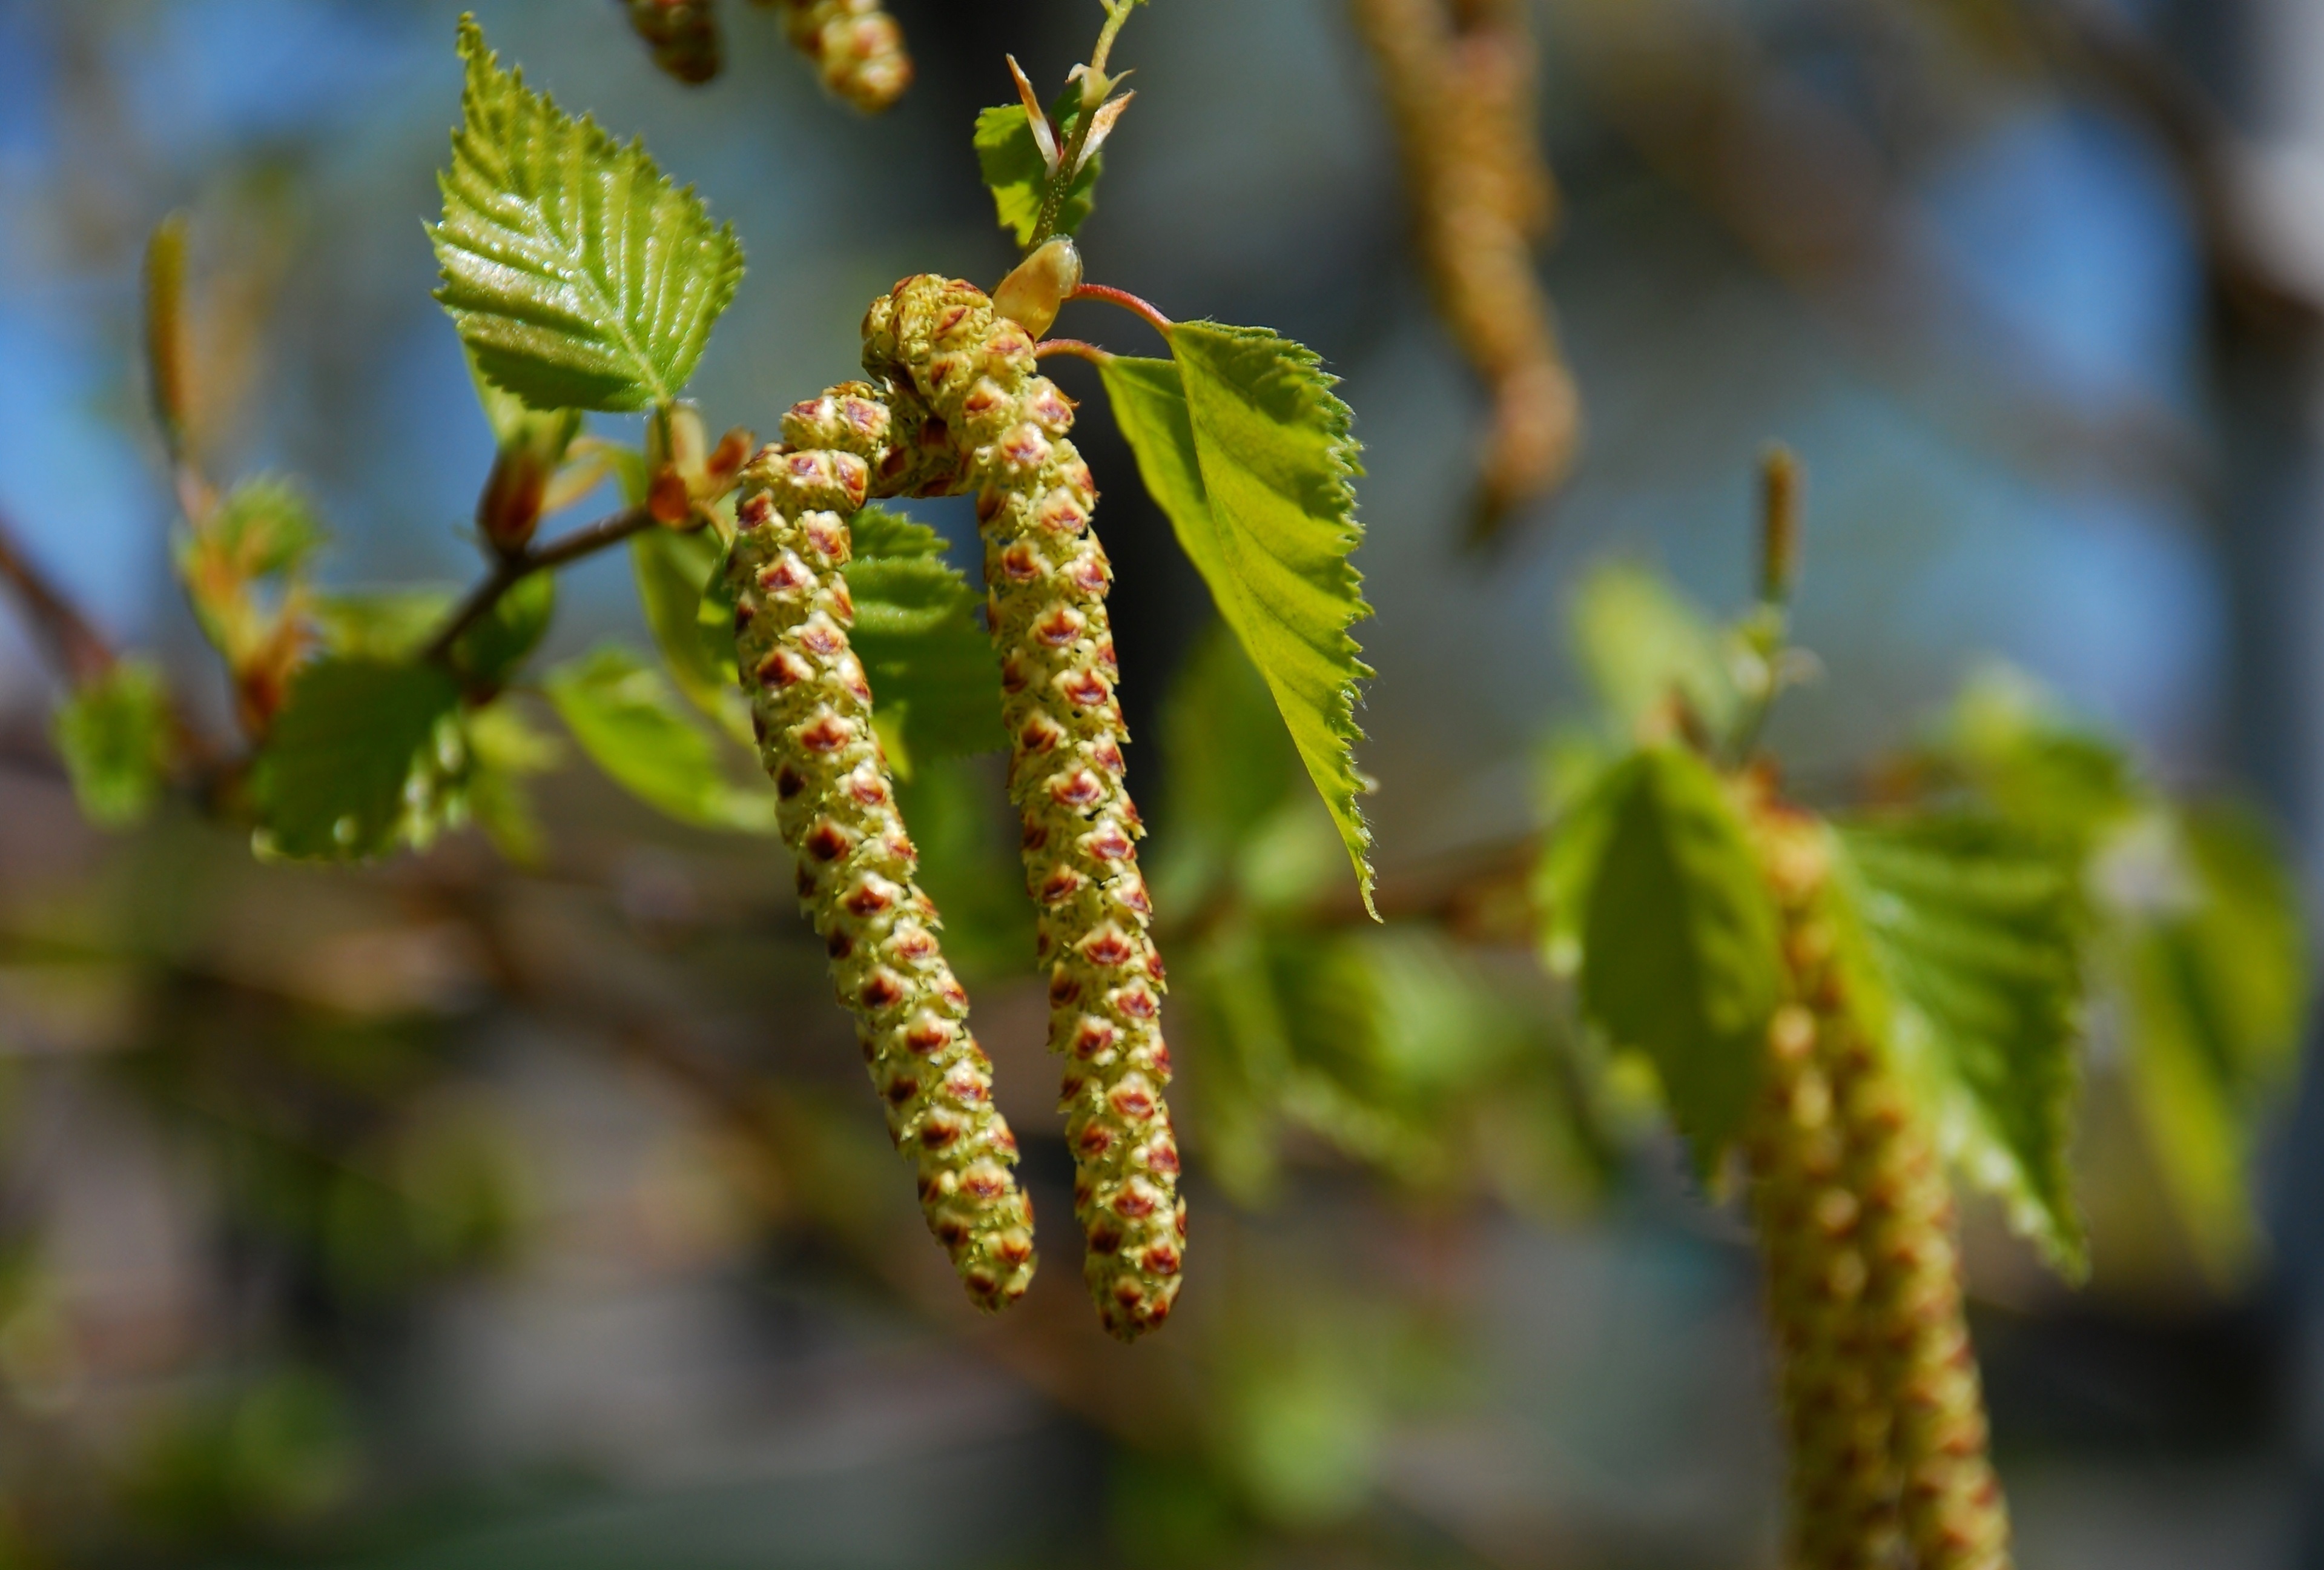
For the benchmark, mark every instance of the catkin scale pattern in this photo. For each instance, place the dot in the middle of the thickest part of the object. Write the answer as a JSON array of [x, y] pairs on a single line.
[[811, 709], [1888, 1466], [972, 372]]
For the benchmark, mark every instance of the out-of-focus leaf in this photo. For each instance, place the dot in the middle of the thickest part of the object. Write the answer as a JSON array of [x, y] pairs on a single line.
[[2033, 766], [1233, 771], [2212, 968], [381, 624], [673, 571], [969, 866], [264, 526], [506, 749], [114, 734], [1972, 930], [1018, 177], [1245, 447], [626, 717], [1643, 645], [934, 678], [349, 757], [498, 641], [1679, 948], [579, 276]]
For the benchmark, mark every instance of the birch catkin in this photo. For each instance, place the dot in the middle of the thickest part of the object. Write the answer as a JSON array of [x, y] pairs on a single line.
[[1881, 1395], [856, 47], [811, 708], [683, 35], [1047, 576]]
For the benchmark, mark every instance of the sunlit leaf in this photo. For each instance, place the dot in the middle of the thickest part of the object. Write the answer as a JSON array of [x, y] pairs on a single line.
[[1246, 448], [265, 525], [934, 680], [114, 734], [390, 624], [673, 569], [630, 723], [1643, 646], [1679, 939], [579, 276], [1010, 161], [1972, 931], [349, 757]]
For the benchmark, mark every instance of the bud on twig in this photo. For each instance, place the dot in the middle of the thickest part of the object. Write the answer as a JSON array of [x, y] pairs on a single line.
[[1781, 481], [684, 35], [1032, 295]]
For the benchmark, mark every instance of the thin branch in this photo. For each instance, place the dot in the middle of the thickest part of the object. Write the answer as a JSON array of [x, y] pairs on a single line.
[[585, 540], [1074, 346], [79, 650], [1127, 301]]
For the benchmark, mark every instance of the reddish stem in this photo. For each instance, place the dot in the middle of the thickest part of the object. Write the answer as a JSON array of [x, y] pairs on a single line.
[[1074, 346], [79, 650], [1128, 301]]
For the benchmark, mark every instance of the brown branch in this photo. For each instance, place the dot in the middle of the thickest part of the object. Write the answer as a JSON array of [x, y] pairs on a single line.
[[512, 570], [79, 650]]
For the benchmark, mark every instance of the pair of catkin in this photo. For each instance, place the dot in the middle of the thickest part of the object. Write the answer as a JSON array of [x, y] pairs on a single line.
[[854, 45], [1880, 1392], [957, 405]]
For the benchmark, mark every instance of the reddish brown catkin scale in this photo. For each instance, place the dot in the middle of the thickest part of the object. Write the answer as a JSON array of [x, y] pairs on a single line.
[[811, 708], [1047, 575], [1887, 1423], [1458, 79], [856, 48], [683, 33]]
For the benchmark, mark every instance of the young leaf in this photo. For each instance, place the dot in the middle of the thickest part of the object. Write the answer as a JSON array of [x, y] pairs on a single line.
[[503, 749], [2214, 977], [1243, 443], [626, 717], [346, 758], [493, 648], [674, 570], [381, 624], [1680, 953], [1642, 645], [114, 736], [924, 650], [1233, 773], [265, 526], [579, 276], [1009, 157], [1969, 930]]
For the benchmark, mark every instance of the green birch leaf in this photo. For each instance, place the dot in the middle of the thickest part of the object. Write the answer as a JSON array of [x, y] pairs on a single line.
[[1640, 644], [389, 625], [1233, 774], [114, 734], [499, 641], [2212, 959], [1680, 950], [504, 750], [352, 759], [578, 275], [674, 571], [934, 681], [1010, 162], [1243, 444], [626, 717], [1969, 930]]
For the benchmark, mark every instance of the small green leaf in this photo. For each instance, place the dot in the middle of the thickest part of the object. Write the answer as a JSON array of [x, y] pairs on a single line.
[[923, 644], [381, 624], [2034, 766], [674, 572], [350, 756], [503, 750], [1680, 955], [1012, 166], [2212, 959], [1972, 930], [264, 526], [1246, 448], [627, 718], [578, 275], [498, 641], [966, 837], [114, 734], [1642, 644]]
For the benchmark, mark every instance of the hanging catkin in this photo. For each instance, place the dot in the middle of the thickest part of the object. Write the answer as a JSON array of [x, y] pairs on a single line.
[[941, 341], [811, 708], [683, 35], [1887, 1422], [856, 47], [1459, 81]]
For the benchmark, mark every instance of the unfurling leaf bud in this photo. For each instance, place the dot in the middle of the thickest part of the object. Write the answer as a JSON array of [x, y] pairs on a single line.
[[516, 492], [1032, 295], [683, 33], [975, 373]]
